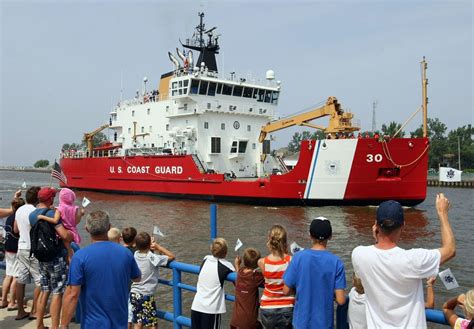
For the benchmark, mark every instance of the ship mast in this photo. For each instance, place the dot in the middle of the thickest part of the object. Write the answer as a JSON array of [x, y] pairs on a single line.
[[424, 89]]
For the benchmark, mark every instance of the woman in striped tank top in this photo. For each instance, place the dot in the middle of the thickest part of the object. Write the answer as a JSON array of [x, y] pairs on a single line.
[[276, 309]]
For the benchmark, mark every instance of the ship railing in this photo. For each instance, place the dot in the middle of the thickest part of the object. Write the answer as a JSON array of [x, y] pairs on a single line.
[[142, 100]]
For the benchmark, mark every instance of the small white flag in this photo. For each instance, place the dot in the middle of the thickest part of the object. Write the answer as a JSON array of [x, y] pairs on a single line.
[[294, 248], [153, 258], [448, 279], [85, 202], [157, 231], [238, 245], [23, 185]]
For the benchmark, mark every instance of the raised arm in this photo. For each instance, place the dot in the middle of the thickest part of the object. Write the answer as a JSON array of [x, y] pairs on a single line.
[[79, 213], [448, 243], [164, 251], [449, 306], [5, 212], [430, 300]]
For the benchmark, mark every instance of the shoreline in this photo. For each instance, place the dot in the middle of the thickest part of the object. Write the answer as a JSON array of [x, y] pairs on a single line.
[[25, 169]]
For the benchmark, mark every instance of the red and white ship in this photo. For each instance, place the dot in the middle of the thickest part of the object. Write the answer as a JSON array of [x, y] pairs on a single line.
[[203, 136]]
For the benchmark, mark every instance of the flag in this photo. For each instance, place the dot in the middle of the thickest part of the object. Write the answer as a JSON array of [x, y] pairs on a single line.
[[85, 202], [447, 174], [238, 245], [23, 185], [448, 279], [57, 173], [157, 231], [294, 248]]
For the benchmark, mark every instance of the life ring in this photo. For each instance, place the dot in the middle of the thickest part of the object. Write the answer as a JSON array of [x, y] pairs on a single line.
[[175, 151]]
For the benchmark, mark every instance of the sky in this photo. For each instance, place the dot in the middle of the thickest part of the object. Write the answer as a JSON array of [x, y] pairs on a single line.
[[62, 62]]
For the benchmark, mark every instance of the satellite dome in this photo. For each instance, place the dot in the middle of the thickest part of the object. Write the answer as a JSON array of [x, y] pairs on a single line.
[[270, 75]]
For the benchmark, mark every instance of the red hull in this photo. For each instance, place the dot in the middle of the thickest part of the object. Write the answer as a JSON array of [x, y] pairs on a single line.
[[326, 173]]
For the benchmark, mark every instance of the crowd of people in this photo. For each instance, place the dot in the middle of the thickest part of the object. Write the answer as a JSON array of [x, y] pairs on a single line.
[[114, 279]]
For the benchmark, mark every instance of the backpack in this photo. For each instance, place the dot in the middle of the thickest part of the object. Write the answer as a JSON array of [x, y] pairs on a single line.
[[45, 244]]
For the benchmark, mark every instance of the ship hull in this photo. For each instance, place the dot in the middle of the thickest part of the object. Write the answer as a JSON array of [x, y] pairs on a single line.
[[331, 172]]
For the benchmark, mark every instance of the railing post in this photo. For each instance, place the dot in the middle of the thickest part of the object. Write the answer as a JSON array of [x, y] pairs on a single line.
[[177, 304], [213, 221]]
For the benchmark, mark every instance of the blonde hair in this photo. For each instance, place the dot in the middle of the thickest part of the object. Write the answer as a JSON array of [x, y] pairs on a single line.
[[277, 240], [469, 303], [113, 234], [357, 283], [219, 248]]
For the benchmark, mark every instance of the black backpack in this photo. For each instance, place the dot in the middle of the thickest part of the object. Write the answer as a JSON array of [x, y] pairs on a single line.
[[45, 244]]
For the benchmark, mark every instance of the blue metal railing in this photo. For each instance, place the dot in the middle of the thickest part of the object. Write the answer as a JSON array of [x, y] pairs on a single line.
[[177, 268]]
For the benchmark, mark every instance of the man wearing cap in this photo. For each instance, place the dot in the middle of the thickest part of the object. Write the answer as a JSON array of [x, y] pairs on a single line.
[[393, 277], [316, 276], [53, 274]]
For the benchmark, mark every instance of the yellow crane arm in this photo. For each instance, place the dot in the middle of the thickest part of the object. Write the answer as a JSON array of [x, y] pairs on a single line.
[[338, 122], [88, 137]]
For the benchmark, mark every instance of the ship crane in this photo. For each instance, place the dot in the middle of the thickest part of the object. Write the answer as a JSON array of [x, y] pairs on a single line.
[[135, 135], [339, 120], [88, 138]]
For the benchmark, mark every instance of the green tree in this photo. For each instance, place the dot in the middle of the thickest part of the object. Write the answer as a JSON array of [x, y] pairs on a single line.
[[41, 164], [99, 139], [72, 146], [392, 128], [438, 141], [295, 143], [466, 145]]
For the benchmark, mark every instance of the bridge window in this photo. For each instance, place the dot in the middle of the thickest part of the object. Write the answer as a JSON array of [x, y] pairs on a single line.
[[203, 88], [233, 148], [266, 147], [212, 89], [206, 125], [194, 86], [248, 92], [185, 83], [242, 146], [276, 94], [268, 96], [259, 95], [219, 88], [227, 89], [215, 145], [238, 90]]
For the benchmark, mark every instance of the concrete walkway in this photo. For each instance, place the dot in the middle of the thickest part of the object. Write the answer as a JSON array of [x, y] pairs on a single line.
[[7, 318]]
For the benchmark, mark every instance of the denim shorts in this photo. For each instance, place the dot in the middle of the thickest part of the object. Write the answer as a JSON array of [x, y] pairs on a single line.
[[276, 318]]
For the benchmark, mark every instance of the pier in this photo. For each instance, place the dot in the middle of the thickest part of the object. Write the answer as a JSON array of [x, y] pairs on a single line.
[[462, 184]]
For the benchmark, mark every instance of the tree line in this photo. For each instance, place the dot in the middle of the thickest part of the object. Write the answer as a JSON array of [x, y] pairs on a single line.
[[443, 144]]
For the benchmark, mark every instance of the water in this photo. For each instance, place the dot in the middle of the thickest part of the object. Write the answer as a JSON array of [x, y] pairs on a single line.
[[185, 224]]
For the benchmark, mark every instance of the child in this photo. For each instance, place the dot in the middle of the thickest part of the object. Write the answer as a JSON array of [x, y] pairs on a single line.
[[209, 301], [276, 309], [466, 302], [356, 312], [11, 248], [245, 313], [113, 235], [128, 238], [317, 277], [68, 212], [142, 293]]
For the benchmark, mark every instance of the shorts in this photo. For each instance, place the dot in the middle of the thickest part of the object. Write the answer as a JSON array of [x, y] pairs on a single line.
[[276, 318], [10, 259], [144, 309], [26, 268], [54, 275], [201, 320]]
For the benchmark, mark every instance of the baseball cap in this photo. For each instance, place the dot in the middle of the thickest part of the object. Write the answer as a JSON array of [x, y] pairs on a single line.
[[46, 193], [320, 228], [390, 210]]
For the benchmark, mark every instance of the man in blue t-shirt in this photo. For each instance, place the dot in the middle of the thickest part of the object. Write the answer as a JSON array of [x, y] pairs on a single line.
[[99, 277], [315, 275]]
